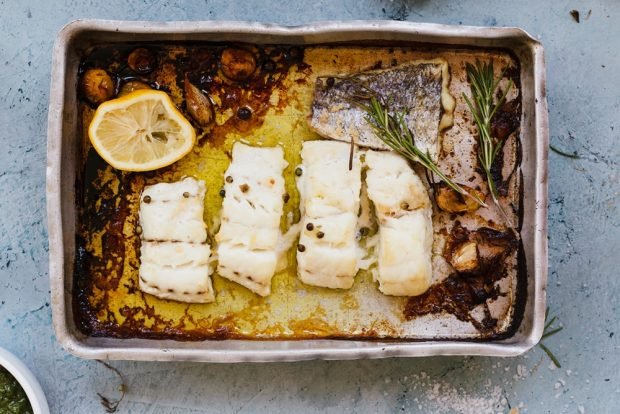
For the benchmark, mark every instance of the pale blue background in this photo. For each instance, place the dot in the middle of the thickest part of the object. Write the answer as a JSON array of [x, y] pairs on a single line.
[[584, 104]]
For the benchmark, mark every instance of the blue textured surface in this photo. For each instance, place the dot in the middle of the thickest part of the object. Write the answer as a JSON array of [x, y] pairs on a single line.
[[584, 103]]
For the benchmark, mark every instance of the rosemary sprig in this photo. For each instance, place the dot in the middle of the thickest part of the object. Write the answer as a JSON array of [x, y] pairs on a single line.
[[394, 132], [483, 108], [547, 332]]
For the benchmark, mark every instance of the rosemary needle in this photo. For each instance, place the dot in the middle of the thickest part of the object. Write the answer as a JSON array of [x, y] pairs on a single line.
[[394, 132], [550, 355], [553, 332], [558, 151]]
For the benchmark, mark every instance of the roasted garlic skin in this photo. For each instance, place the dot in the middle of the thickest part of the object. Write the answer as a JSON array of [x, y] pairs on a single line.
[[237, 64], [132, 86], [199, 106], [465, 257], [96, 85], [142, 61], [452, 202]]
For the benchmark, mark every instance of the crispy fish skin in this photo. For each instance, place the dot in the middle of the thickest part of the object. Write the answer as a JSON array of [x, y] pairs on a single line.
[[174, 253], [419, 88]]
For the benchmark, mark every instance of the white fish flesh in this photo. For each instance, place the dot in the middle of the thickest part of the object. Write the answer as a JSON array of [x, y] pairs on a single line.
[[253, 205], [174, 254], [404, 214], [328, 253]]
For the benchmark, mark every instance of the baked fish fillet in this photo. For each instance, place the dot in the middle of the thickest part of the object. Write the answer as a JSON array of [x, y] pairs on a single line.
[[403, 210], [419, 88], [174, 254], [253, 204], [328, 254]]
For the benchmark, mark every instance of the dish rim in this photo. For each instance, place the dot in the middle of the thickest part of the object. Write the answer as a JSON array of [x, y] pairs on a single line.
[[82, 346]]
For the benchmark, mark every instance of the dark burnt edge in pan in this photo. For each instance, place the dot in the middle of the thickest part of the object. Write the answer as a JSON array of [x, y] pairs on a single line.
[[113, 330]]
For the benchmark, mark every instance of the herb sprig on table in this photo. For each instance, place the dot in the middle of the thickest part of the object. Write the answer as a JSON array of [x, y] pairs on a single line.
[[483, 107], [392, 129], [111, 406], [547, 332]]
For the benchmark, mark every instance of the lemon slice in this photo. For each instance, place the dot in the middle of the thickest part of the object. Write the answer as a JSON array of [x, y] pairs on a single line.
[[141, 131]]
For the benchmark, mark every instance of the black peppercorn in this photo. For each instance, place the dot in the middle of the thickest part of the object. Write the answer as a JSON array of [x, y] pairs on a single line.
[[320, 235], [244, 113], [222, 193], [298, 171], [186, 194], [147, 199], [301, 248], [310, 226], [229, 179]]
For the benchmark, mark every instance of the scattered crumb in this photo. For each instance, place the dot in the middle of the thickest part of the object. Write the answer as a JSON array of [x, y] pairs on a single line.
[[441, 397], [581, 409], [575, 15], [589, 14]]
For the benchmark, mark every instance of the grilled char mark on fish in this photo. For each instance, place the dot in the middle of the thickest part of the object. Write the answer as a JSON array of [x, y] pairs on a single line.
[[418, 88], [174, 253]]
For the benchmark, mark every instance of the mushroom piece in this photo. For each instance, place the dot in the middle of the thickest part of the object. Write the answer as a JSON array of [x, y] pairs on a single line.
[[142, 60], [132, 86], [465, 258], [237, 64], [199, 106], [453, 202], [96, 86]]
